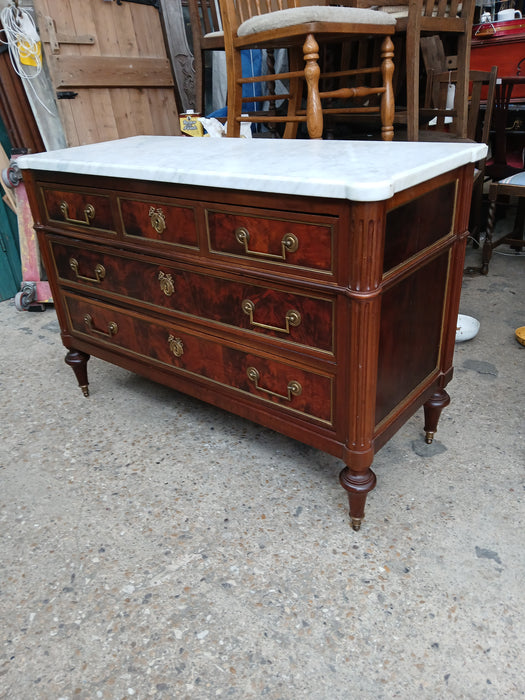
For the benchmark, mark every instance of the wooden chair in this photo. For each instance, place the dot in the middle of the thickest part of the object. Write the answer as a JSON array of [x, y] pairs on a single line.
[[447, 123], [451, 19], [512, 187], [447, 127], [207, 35], [297, 26]]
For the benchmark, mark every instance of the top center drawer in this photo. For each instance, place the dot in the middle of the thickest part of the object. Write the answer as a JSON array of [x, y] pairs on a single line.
[[272, 238]]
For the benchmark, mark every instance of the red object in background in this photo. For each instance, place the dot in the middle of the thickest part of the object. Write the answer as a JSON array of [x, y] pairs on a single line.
[[500, 44]]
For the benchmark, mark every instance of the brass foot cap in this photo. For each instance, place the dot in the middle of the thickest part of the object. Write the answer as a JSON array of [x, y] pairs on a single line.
[[85, 390], [356, 523], [429, 437]]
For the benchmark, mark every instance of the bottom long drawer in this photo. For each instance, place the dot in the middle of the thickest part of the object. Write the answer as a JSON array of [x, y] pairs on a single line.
[[199, 355]]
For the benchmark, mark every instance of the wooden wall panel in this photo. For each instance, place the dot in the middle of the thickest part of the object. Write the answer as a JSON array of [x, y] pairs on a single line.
[[123, 79]]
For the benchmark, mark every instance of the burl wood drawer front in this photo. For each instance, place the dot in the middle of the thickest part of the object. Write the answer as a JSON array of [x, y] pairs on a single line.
[[272, 238], [190, 353], [172, 224], [77, 209], [290, 317]]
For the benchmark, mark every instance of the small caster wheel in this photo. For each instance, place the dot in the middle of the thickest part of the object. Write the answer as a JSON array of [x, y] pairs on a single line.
[[25, 297]]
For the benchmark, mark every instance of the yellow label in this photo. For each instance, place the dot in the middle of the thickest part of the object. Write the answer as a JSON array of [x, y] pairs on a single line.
[[189, 124], [30, 53]]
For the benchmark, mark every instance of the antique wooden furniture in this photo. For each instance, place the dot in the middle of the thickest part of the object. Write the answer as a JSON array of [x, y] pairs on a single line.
[[511, 187], [449, 19], [508, 154], [452, 21], [446, 122], [312, 287], [207, 35], [478, 124], [299, 27]]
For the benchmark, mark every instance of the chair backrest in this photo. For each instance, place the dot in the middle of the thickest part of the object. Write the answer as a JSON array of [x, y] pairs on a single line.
[[205, 17], [443, 8], [439, 86]]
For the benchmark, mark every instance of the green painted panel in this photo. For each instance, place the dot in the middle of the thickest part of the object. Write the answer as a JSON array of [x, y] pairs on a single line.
[[10, 265]]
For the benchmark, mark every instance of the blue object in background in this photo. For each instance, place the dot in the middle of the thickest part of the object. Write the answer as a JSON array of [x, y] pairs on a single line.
[[251, 66]]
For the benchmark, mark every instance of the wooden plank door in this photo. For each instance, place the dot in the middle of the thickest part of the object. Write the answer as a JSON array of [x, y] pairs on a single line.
[[108, 65]]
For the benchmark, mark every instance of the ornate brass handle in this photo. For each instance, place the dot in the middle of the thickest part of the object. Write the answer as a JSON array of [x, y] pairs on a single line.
[[111, 331], [176, 345], [89, 214], [166, 283], [293, 388], [292, 318], [289, 244], [157, 219], [100, 271]]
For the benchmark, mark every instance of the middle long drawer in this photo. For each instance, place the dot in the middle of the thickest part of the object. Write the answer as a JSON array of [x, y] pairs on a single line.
[[290, 316], [198, 356]]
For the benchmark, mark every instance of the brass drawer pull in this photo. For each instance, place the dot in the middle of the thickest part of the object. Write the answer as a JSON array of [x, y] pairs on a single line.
[[111, 331], [166, 283], [157, 219], [176, 346], [100, 272], [292, 318], [293, 388], [289, 244], [89, 214]]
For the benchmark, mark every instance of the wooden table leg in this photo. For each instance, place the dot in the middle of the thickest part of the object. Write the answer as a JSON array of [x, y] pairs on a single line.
[[358, 485], [432, 409], [78, 360]]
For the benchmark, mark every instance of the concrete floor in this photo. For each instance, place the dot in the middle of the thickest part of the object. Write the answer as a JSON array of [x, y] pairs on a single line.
[[157, 547]]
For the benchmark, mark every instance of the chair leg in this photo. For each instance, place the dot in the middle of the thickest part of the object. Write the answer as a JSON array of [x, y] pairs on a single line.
[[295, 91], [314, 113], [412, 80], [519, 226], [486, 253], [387, 98], [233, 127]]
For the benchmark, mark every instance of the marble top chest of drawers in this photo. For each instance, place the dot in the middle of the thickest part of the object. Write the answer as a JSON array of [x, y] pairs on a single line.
[[312, 287]]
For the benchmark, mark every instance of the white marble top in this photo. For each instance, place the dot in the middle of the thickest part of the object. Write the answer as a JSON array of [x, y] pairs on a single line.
[[363, 171]]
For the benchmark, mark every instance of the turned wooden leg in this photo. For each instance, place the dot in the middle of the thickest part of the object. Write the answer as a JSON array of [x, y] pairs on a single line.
[[387, 99], [433, 408], [78, 362], [314, 113], [358, 485], [487, 245]]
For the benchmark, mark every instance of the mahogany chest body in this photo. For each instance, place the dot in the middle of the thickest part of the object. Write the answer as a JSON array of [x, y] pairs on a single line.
[[328, 319]]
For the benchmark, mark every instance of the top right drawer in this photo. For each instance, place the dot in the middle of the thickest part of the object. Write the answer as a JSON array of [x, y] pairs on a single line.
[[296, 241]]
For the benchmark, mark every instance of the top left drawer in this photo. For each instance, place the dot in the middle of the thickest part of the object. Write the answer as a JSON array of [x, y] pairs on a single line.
[[78, 209]]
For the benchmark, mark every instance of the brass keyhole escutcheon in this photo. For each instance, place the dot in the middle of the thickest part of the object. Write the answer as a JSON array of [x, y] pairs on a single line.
[[157, 219], [176, 345], [166, 283]]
